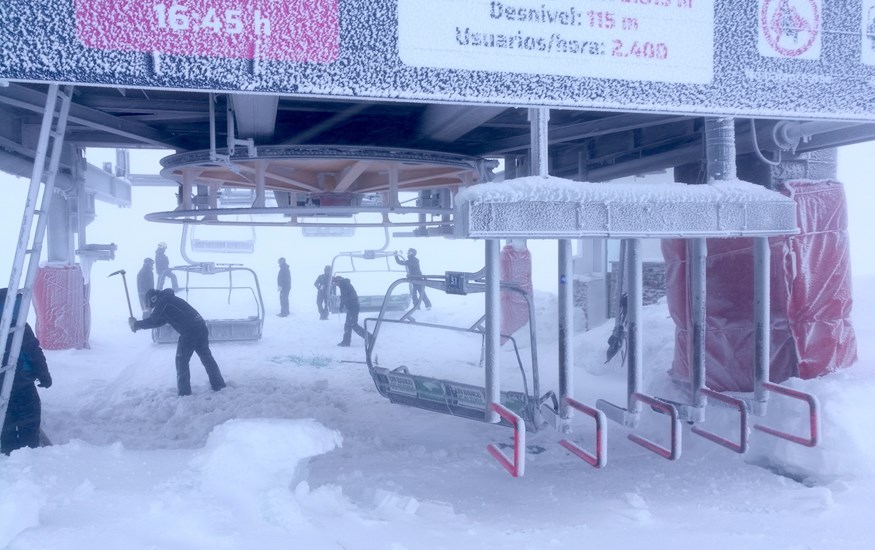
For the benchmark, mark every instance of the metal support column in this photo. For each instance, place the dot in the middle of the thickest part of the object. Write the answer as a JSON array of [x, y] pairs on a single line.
[[566, 331], [538, 122], [762, 336], [492, 337], [260, 171], [720, 154], [697, 252], [635, 357]]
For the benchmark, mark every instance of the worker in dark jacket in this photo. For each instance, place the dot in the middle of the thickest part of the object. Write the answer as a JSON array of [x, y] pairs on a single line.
[[417, 290], [145, 282], [349, 302], [284, 286], [21, 427], [162, 268], [322, 284], [193, 336]]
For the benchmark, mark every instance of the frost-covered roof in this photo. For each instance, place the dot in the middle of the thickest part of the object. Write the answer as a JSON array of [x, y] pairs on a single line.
[[730, 59], [550, 207]]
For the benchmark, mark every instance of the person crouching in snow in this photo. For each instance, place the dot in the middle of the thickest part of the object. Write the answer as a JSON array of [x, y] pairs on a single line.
[[167, 308]]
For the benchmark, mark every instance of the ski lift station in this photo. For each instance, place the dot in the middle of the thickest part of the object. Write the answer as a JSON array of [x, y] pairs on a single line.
[[507, 122]]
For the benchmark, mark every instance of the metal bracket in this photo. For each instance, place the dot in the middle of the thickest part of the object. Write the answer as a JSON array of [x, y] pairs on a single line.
[[673, 452], [813, 416], [517, 467], [741, 406], [600, 458]]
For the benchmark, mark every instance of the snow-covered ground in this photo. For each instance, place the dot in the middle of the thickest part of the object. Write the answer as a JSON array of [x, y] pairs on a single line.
[[300, 451]]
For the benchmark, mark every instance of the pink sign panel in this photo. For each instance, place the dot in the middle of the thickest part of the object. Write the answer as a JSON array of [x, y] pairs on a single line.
[[288, 30]]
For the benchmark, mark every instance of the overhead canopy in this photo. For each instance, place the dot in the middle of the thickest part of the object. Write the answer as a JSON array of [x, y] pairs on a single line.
[[555, 208], [334, 169]]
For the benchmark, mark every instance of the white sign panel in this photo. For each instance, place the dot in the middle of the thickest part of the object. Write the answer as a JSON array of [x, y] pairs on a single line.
[[646, 40], [868, 37], [790, 28]]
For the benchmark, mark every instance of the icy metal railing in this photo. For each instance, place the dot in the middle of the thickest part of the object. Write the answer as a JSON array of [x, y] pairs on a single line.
[[600, 458], [813, 416], [739, 447], [673, 452], [517, 467]]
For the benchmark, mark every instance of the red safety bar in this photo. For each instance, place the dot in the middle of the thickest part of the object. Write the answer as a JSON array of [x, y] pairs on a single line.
[[672, 453], [741, 446], [813, 416], [600, 458], [518, 467]]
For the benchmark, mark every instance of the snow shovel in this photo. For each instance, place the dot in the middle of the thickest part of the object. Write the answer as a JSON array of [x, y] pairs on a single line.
[[127, 295]]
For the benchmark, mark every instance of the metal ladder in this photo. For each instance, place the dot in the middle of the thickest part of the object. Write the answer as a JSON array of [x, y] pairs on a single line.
[[30, 241]]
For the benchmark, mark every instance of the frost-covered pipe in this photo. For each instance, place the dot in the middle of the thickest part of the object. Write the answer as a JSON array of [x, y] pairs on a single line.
[[566, 328], [634, 301], [538, 122], [698, 255], [762, 338], [720, 148], [492, 337]]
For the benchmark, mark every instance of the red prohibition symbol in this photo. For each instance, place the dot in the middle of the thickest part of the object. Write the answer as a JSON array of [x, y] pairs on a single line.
[[790, 26]]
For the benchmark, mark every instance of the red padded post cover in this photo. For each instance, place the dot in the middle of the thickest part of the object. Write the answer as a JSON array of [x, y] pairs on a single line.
[[810, 276], [61, 308], [516, 267]]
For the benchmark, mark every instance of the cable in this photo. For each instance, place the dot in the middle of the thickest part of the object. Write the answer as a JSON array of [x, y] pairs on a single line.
[[756, 146]]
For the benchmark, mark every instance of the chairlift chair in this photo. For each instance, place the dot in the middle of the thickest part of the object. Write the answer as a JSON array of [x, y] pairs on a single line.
[[225, 323], [357, 266], [406, 384]]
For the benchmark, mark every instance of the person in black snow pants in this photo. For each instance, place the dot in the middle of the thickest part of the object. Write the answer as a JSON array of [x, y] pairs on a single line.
[[145, 282], [193, 336], [21, 428], [417, 290], [162, 268], [349, 302], [322, 284], [284, 286]]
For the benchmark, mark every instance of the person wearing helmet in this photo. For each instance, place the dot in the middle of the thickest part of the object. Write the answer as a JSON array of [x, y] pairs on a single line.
[[167, 308], [323, 284], [284, 286], [162, 268], [145, 282], [417, 290]]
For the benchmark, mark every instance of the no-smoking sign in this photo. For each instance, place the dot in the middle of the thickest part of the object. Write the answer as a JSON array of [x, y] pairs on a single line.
[[789, 29]]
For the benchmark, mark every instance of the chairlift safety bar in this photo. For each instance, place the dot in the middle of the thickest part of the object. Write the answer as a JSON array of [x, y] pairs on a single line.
[[813, 416], [517, 467], [739, 447], [600, 458]]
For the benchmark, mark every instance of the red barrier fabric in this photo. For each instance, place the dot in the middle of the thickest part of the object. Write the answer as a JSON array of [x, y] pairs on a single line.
[[61, 307], [810, 283], [820, 290], [516, 267]]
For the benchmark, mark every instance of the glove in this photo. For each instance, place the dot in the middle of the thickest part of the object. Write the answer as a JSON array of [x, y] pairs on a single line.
[[132, 322], [45, 381]]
